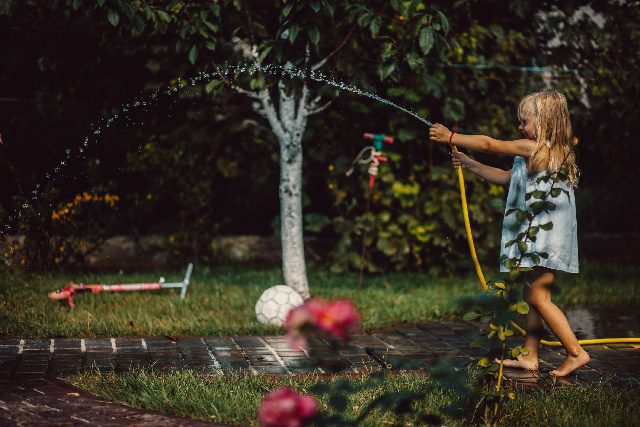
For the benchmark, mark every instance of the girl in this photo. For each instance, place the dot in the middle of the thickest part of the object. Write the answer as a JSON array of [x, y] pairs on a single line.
[[545, 124]]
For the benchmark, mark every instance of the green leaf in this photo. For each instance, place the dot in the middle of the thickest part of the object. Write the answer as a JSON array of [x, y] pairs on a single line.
[[426, 40], [472, 315], [548, 226], [256, 83], [211, 26], [510, 211], [76, 4], [212, 86], [522, 215], [521, 307], [414, 61], [113, 17], [315, 5], [265, 52], [522, 247], [287, 8], [164, 16], [193, 54], [497, 31], [543, 254], [444, 22], [210, 45], [532, 231], [314, 35], [374, 26], [294, 29], [501, 334], [384, 70], [555, 192], [329, 7]]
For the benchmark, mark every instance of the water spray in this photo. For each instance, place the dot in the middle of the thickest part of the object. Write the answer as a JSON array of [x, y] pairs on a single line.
[[65, 295]]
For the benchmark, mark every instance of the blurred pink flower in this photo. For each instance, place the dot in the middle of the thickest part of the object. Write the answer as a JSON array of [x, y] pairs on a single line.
[[337, 318], [283, 407], [299, 321]]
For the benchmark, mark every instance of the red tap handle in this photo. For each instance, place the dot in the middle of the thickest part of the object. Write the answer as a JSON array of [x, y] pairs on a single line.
[[371, 136]]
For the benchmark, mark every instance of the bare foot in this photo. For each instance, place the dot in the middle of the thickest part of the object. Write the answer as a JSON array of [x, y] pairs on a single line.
[[571, 363], [527, 362]]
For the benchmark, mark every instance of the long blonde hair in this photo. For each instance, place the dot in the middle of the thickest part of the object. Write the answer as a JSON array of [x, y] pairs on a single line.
[[550, 114]]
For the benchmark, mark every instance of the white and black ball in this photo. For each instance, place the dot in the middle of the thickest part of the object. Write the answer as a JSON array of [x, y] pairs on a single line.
[[274, 304]]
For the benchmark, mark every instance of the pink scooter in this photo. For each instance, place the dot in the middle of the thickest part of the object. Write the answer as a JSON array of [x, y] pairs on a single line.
[[66, 294]]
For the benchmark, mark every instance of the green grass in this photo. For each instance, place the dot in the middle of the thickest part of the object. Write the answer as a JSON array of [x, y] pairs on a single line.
[[234, 398], [222, 301]]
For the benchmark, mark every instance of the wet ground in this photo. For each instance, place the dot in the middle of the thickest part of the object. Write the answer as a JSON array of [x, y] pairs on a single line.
[[592, 322], [30, 392]]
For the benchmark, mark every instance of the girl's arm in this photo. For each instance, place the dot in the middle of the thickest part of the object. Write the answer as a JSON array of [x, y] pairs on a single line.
[[488, 173], [486, 144]]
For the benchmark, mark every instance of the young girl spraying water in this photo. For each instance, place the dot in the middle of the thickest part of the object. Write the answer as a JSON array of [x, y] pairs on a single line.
[[545, 124]]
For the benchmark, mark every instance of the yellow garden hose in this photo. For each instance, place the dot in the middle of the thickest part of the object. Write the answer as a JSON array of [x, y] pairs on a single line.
[[483, 282]]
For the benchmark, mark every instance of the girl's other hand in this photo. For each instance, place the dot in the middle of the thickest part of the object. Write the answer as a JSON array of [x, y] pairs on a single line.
[[460, 160], [439, 133]]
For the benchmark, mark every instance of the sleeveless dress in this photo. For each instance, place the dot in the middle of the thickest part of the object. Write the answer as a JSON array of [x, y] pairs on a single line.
[[561, 242]]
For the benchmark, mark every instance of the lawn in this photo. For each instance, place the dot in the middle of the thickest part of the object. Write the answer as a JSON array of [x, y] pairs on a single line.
[[234, 398], [221, 301]]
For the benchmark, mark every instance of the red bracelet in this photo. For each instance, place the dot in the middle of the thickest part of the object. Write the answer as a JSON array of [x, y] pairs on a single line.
[[451, 138]]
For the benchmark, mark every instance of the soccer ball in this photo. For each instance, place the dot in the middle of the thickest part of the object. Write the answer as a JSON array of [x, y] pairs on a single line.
[[274, 304]]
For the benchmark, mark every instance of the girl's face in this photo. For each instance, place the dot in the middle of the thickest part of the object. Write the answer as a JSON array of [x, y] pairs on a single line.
[[526, 127]]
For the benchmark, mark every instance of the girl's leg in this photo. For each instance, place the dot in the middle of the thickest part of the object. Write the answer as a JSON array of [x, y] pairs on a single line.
[[540, 299], [534, 329]]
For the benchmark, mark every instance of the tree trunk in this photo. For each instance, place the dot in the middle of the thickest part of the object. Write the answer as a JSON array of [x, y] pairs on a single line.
[[288, 124], [291, 225]]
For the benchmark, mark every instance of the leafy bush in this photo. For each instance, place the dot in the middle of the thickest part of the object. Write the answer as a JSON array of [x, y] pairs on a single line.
[[415, 219]]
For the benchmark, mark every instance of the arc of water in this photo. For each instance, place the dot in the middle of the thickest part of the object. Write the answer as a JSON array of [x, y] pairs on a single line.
[[201, 77]]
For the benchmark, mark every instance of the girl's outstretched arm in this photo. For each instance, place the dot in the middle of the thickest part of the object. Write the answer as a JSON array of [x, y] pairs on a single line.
[[488, 173], [486, 144]]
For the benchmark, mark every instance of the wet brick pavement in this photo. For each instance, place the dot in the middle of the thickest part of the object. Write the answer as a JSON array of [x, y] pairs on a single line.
[[28, 366]]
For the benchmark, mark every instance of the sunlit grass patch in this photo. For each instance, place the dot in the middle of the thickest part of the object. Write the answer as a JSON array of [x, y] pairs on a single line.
[[221, 301], [234, 398]]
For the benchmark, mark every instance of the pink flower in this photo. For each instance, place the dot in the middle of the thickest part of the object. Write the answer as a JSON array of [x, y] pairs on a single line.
[[338, 318], [299, 321], [283, 407]]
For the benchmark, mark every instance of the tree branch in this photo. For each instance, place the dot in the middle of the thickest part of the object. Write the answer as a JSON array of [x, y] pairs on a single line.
[[320, 109], [337, 49], [271, 114]]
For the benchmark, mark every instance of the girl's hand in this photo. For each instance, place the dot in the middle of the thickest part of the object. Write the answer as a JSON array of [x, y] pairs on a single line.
[[460, 160], [439, 133]]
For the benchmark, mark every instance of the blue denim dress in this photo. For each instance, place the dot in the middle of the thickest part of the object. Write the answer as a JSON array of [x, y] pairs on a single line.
[[561, 242]]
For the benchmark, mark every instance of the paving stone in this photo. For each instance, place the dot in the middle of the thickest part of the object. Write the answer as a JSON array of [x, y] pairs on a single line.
[[41, 344], [26, 404]]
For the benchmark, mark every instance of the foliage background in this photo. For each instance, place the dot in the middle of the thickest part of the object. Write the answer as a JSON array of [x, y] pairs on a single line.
[[203, 163]]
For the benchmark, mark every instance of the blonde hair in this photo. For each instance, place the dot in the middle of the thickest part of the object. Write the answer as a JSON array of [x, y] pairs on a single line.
[[550, 115]]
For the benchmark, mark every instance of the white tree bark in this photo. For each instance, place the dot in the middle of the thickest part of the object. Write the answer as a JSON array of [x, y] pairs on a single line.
[[288, 124]]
